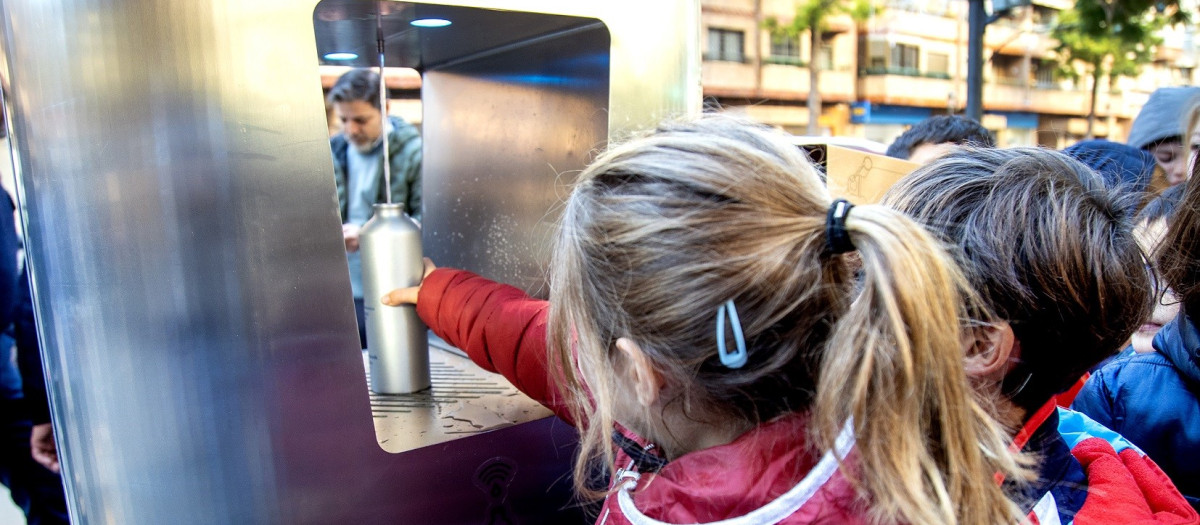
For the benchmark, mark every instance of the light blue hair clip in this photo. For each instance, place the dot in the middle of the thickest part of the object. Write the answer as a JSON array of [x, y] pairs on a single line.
[[737, 358]]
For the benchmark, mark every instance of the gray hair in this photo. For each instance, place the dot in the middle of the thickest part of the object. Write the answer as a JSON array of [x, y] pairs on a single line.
[[356, 84]]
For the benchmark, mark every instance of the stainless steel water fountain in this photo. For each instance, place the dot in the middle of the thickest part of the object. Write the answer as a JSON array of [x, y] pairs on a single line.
[[176, 188]]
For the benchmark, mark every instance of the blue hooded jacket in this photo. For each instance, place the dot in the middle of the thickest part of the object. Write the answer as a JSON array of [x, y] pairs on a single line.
[[1122, 166], [1151, 399]]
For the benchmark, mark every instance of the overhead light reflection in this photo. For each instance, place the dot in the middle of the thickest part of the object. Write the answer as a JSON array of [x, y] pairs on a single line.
[[430, 22]]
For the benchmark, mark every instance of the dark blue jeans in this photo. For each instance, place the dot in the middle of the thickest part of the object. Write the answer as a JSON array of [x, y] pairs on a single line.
[[36, 490]]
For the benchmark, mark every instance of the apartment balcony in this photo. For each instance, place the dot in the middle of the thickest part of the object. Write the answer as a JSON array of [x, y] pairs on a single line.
[[790, 81], [781, 80], [1004, 33], [1052, 99], [1169, 54], [931, 26], [1056, 100], [901, 87], [729, 79], [1017, 40], [740, 7], [1123, 104], [904, 87], [1011, 95]]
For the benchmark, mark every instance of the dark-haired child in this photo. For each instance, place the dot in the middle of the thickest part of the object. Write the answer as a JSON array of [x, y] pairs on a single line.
[[1063, 284]]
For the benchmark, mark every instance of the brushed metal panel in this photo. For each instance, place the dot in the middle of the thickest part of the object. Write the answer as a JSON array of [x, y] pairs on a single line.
[[178, 206], [198, 334], [350, 26], [492, 190]]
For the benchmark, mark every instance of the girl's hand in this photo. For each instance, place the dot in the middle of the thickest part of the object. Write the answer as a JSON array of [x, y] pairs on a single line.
[[409, 295]]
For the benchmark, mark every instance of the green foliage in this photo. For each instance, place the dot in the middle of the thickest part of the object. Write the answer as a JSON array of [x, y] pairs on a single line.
[[861, 10], [1114, 17], [1118, 52], [812, 14], [812, 17]]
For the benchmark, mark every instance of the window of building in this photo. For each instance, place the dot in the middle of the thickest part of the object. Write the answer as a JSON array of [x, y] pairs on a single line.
[[1044, 17], [1184, 75], [825, 56], [1045, 74], [784, 46], [877, 54], [785, 50], [905, 58], [939, 65], [872, 56], [726, 44], [1007, 70]]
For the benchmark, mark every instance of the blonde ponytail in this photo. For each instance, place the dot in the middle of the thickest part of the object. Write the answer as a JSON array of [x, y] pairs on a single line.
[[927, 449], [660, 232]]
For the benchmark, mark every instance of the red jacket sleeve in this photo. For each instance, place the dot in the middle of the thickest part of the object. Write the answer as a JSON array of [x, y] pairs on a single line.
[[501, 328], [1128, 488]]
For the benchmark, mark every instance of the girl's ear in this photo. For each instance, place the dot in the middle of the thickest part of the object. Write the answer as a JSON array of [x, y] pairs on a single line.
[[647, 382], [992, 352]]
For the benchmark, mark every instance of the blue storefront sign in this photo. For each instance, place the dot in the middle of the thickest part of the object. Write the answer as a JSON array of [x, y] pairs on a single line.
[[869, 113], [1018, 119]]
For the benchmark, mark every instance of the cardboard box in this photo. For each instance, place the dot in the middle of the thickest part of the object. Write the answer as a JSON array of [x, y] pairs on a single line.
[[858, 176]]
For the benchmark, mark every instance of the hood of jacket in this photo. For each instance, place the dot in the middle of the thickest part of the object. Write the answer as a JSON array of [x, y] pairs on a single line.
[[733, 481], [1121, 165], [1161, 117], [1179, 342]]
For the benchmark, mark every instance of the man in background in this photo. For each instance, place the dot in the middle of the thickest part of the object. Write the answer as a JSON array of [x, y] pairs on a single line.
[[935, 136], [358, 165]]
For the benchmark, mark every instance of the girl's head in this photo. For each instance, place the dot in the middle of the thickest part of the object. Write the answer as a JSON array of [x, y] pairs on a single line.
[[662, 231], [1047, 247], [1149, 230], [1160, 129], [1179, 254]]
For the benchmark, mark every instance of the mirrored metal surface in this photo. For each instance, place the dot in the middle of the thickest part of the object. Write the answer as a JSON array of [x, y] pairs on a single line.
[[494, 185], [191, 287]]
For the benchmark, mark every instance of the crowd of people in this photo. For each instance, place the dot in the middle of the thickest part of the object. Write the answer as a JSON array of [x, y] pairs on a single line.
[[735, 345], [1007, 337]]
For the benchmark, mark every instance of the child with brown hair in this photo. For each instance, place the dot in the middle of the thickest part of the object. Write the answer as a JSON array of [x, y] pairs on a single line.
[[1150, 228], [1151, 397], [1048, 249], [705, 335]]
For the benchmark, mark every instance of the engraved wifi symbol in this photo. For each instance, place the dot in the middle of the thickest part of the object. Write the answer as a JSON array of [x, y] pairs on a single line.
[[493, 478]]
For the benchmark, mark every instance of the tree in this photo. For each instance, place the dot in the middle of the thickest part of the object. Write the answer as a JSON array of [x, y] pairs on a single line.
[[1105, 17], [812, 16], [1114, 47]]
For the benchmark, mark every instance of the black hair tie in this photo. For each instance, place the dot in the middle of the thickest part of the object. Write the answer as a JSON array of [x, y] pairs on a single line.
[[837, 239]]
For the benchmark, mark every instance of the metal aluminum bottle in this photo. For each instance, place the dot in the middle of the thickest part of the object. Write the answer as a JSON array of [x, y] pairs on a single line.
[[397, 344]]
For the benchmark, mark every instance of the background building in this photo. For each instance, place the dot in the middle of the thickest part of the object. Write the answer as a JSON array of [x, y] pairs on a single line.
[[903, 63], [907, 61]]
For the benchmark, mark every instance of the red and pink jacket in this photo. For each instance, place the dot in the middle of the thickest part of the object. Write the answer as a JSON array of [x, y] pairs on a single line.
[[1088, 474], [767, 475]]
